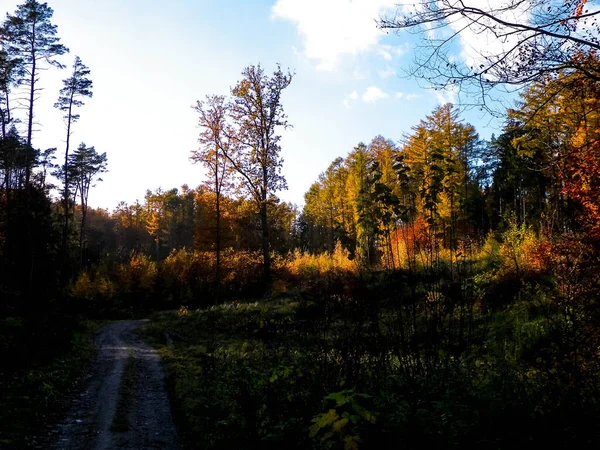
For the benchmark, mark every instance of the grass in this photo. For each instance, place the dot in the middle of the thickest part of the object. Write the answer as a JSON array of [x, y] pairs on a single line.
[[129, 384], [401, 360], [37, 394], [214, 353]]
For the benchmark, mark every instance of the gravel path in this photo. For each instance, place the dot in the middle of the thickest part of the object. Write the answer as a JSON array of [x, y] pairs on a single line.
[[149, 424]]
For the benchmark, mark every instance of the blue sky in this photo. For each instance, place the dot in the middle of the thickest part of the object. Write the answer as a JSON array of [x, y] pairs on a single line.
[[151, 60]]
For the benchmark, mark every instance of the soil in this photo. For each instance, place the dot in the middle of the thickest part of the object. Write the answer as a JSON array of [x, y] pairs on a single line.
[[145, 420]]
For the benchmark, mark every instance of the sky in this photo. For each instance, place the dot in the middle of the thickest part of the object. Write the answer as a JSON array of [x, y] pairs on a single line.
[[151, 61]]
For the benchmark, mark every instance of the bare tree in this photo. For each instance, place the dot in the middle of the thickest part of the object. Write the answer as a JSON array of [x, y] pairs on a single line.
[[215, 143], [507, 43]]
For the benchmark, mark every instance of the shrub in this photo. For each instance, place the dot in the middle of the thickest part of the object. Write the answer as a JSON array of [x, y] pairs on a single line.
[[322, 274]]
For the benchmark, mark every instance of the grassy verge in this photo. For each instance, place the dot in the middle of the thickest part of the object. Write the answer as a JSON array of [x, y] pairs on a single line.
[[39, 393], [222, 363], [129, 382]]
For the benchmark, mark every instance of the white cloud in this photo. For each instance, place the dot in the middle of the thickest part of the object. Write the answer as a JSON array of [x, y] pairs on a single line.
[[384, 53], [399, 95], [373, 94], [387, 72], [348, 99], [412, 96], [449, 95], [389, 51], [479, 40], [361, 74], [334, 28]]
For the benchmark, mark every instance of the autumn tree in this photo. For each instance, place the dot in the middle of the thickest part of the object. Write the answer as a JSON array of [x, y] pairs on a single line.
[[131, 230], [257, 116], [506, 43], [550, 144], [31, 40], [435, 178], [215, 143]]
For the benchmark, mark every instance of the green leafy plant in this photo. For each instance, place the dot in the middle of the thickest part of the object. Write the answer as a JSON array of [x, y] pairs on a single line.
[[341, 425]]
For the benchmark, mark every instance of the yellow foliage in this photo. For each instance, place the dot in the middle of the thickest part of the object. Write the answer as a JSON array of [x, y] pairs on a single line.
[[138, 275], [98, 287], [307, 265], [83, 287], [183, 311], [518, 250]]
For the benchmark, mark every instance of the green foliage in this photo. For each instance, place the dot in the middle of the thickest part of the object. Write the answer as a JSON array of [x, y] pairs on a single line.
[[389, 359], [340, 426]]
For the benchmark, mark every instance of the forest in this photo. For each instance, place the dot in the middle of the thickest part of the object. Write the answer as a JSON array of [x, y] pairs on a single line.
[[435, 289]]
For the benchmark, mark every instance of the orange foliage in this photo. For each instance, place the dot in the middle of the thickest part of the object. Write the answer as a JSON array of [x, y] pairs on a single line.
[[412, 239], [582, 183], [579, 7]]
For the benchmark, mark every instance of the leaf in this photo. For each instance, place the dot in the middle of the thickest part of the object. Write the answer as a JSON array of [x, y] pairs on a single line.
[[351, 442], [339, 424]]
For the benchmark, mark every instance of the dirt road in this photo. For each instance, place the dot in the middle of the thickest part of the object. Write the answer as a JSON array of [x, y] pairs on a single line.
[[124, 404]]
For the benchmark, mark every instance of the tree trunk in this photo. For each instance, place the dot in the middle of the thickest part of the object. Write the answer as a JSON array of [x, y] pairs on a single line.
[[265, 245], [218, 237], [82, 233], [66, 194], [3, 121], [28, 164], [30, 125]]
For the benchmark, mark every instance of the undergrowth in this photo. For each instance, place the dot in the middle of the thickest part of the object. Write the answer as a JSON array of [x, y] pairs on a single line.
[[36, 393]]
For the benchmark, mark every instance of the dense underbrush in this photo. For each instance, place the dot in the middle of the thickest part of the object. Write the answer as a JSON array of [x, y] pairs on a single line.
[[48, 355], [498, 350]]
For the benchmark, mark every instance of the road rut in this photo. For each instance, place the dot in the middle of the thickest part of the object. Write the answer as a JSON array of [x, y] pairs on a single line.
[[148, 419]]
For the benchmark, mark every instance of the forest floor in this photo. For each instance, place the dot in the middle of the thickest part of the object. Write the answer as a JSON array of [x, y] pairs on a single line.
[[123, 403]]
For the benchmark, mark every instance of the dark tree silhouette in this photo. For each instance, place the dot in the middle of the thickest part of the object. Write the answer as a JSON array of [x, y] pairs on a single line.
[[84, 165], [30, 38], [75, 88], [9, 71]]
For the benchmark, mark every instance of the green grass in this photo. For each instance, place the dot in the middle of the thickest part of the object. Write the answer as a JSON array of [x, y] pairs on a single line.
[[216, 353]]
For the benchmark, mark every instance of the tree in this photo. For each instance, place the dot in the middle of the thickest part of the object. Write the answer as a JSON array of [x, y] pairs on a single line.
[[84, 165], [215, 143], [257, 115], [76, 87], [9, 72], [30, 38], [507, 42], [553, 133], [436, 178], [359, 185], [12, 161]]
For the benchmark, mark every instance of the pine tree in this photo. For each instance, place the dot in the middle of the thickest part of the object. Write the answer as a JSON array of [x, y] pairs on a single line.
[[31, 40], [75, 88], [84, 166]]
